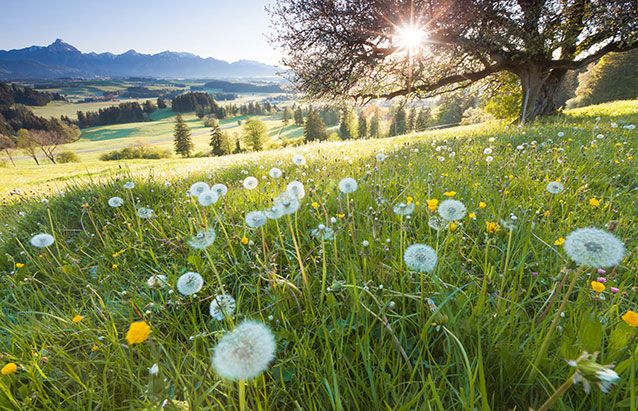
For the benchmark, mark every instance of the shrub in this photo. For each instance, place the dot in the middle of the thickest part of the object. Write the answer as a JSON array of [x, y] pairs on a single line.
[[139, 150], [67, 157]]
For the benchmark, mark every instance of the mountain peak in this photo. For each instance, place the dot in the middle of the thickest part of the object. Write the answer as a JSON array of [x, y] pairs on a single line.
[[60, 45]]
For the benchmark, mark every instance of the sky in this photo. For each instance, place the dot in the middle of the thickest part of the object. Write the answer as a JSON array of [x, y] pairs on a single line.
[[224, 29]]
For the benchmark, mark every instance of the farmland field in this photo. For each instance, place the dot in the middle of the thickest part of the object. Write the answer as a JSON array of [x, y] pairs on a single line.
[[487, 318]]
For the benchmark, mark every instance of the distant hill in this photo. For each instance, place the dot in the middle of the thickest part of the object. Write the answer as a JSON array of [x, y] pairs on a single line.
[[61, 59], [229, 87]]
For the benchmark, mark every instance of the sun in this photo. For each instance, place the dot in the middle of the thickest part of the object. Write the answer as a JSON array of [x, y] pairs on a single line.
[[410, 37]]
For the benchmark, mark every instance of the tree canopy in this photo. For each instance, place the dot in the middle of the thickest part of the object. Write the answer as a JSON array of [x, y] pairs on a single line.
[[366, 49]]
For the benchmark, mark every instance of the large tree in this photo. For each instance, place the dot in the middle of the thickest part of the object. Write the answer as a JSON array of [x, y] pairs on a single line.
[[315, 128], [254, 134], [367, 49], [7, 144], [183, 141]]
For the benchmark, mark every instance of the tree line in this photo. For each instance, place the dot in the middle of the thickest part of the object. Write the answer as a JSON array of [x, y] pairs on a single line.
[[128, 112], [11, 94]]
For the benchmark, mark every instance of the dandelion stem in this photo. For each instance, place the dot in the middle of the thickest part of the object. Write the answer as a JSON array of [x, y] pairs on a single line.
[[301, 266], [559, 392], [242, 395]]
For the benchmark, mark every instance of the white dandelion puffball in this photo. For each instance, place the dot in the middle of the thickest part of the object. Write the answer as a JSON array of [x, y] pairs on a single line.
[[189, 283], [144, 212], [275, 172], [274, 213], [296, 189], [287, 203], [380, 157], [222, 306], [323, 233], [208, 197], [348, 185], [594, 248], [256, 219], [437, 223], [202, 239], [299, 160], [452, 210], [245, 352], [115, 202], [198, 188], [420, 257], [250, 183], [156, 280], [487, 151], [220, 189], [489, 159], [129, 185], [42, 240], [404, 209], [554, 187]]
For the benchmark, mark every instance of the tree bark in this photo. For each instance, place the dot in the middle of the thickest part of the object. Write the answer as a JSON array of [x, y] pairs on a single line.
[[539, 86], [10, 157]]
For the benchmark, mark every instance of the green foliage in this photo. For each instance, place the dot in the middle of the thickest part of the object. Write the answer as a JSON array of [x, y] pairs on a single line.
[[67, 157], [138, 150], [298, 117], [219, 141], [183, 142], [349, 127], [424, 119], [504, 102], [254, 134], [450, 112], [315, 129], [399, 123]]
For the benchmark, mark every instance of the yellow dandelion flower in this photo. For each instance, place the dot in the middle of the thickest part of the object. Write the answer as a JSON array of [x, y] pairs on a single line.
[[594, 202], [449, 193], [482, 205], [598, 287], [9, 369], [95, 348], [492, 227], [453, 226], [416, 203], [341, 215], [560, 241], [631, 318], [409, 164], [244, 240], [114, 266], [19, 265], [558, 180], [314, 204], [138, 332], [410, 199], [433, 204], [472, 215], [77, 318]]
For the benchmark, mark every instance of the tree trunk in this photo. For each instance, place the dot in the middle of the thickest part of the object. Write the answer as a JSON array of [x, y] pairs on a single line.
[[539, 86], [10, 157]]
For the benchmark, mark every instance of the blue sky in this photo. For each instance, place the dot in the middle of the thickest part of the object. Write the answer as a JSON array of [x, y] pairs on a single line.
[[225, 29]]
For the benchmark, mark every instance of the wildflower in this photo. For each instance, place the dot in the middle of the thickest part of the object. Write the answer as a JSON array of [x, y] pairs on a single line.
[[245, 352], [482, 205], [138, 332], [472, 215], [588, 371], [10, 368], [489, 159], [433, 204], [219, 189], [129, 185], [274, 213], [244, 240], [19, 265], [296, 189], [491, 227], [198, 188], [299, 160], [594, 248], [287, 203], [487, 151], [380, 157], [322, 232], [250, 183], [144, 212], [449, 193], [437, 223], [614, 289], [207, 198], [115, 202], [77, 318], [275, 172], [420, 257], [156, 280], [348, 185], [222, 306], [594, 202], [203, 239], [559, 242], [154, 370], [598, 286], [189, 283], [452, 210], [631, 318], [95, 348], [42, 240], [409, 200], [554, 187], [256, 219], [314, 204], [404, 209]]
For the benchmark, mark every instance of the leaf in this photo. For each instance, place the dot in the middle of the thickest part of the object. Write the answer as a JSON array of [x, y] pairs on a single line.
[[590, 334]]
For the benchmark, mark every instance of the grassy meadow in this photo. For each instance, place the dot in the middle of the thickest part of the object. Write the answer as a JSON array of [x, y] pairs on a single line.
[[356, 326]]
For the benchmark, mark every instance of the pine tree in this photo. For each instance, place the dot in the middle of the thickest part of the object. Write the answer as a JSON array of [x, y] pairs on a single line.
[[424, 119], [287, 115], [348, 128], [399, 126], [183, 142], [254, 134], [363, 126], [161, 103], [315, 129], [217, 140], [412, 119], [298, 117], [375, 126]]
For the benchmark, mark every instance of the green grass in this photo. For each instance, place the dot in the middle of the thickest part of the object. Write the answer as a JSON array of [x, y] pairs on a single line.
[[363, 332]]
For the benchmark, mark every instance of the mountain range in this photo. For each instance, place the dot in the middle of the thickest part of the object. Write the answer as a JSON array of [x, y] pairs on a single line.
[[61, 59]]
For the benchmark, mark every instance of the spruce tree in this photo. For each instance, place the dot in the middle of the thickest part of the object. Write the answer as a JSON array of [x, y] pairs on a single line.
[[217, 140], [399, 125], [363, 126], [315, 129], [412, 119], [348, 128], [254, 134], [183, 142], [298, 117], [375, 126]]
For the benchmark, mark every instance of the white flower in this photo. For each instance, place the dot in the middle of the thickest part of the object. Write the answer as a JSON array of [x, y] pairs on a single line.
[[420, 257], [489, 159], [198, 188], [115, 201], [129, 185], [250, 183], [487, 151], [144, 212], [245, 352], [452, 210], [202, 239], [296, 189], [274, 172], [588, 371], [220, 189], [348, 185], [189, 283], [156, 280], [404, 209], [520, 147], [380, 157], [322, 232], [167, 183], [299, 160], [255, 219], [154, 370], [629, 127], [274, 213], [594, 248], [42, 240], [287, 203], [554, 187], [222, 306], [208, 197], [437, 223]]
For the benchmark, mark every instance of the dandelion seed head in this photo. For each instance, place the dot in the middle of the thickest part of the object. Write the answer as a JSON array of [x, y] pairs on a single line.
[[299, 160], [129, 185], [554, 187], [452, 210], [296, 189], [323, 233], [275, 172], [420, 257], [144, 212], [380, 157], [404, 208], [115, 202], [274, 213], [437, 223], [207, 198], [255, 219], [594, 248], [222, 306], [203, 239], [287, 203], [250, 183], [42, 240], [156, 280], [348, 185], [220, 189], [189, 283], [198, 188]]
